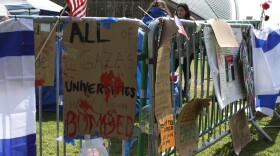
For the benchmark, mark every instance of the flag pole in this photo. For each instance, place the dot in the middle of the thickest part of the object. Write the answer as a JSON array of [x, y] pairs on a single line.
[[146, 12], [50, 33]]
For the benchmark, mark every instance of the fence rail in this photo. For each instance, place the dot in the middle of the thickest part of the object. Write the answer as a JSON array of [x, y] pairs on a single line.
[[213, 122]]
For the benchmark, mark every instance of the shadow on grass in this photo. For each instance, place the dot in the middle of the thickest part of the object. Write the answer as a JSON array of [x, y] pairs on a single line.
[[49, 116], [259, 144]]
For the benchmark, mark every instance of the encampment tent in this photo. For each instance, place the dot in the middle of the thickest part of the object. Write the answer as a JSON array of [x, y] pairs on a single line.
[[31, 7], [3, 10]]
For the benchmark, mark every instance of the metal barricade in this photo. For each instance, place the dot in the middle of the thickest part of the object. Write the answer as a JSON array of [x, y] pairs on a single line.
[[213, 122]]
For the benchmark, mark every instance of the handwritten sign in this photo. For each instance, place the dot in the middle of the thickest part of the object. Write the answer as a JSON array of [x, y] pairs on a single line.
[[240, 131], [163, 104], [44, 65], [167, 137], [99, 78], [186, 126]]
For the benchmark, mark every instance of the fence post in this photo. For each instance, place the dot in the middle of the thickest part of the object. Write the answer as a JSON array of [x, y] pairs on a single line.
[[144, 76]]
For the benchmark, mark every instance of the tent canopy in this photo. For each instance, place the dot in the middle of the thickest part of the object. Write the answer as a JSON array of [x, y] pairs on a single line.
[[19, 7], [3, 10]]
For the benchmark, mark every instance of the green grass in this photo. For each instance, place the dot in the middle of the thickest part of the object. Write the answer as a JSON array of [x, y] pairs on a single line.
[[258, 146]]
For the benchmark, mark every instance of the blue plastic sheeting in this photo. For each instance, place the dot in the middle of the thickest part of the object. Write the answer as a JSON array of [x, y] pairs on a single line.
[[155, 12]]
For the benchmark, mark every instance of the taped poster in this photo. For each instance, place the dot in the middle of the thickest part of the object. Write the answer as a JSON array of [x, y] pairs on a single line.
[[99, 78], [225, 68], [166, 130], [44, 65]]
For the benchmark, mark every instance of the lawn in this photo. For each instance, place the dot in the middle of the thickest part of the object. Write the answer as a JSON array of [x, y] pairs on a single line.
[[258, 146]]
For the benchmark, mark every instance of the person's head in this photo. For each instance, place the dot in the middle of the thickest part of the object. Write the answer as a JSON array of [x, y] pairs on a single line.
[[183, 11], [161, 4]]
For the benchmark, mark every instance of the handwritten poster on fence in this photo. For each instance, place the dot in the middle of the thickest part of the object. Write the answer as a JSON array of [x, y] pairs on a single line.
[[186, 126], [44, 65], [239, 130], [167, 136], [225, 68], [99, 78], [163, 104]]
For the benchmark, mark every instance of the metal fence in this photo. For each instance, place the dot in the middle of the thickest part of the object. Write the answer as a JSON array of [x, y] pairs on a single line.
[[213, 122], [114, 8]]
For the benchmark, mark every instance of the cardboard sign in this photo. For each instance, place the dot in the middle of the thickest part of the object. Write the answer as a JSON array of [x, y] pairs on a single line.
[[163, 104], [223, 33], [44, 65], [99, 69], [167, 138], [187, 133], [239, 131]]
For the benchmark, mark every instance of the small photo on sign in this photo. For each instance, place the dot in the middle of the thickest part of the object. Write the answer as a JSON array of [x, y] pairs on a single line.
[[229, 68]]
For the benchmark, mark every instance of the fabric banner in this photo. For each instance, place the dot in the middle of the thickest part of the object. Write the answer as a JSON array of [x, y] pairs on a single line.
[[99, 68], [17, 88], [263, 49], [266, 56], [267, 42]]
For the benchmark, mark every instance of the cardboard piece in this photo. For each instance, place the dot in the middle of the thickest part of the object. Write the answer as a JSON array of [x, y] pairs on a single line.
[[187, 133], [239, 131], [99, 69], [44, 65], [167, 137], [223, 33], [163, 104]]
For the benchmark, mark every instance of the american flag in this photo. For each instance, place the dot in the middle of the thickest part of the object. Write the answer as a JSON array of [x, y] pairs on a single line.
[[78, 8], [180, 26]]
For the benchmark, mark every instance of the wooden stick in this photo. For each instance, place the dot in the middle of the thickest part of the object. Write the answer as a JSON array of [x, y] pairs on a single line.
[[50, 33], [145, 12]]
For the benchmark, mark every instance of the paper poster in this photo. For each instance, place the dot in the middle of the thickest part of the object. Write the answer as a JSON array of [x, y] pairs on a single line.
[[187, 133], [44, 65], [99, 81], [225, 68], [163, 104], [223, 32], [94, 147], [166, 130], [239, 131], [248, 74]]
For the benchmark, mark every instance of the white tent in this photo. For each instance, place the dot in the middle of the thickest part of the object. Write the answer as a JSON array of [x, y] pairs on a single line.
[[3, 10], [30, 6]]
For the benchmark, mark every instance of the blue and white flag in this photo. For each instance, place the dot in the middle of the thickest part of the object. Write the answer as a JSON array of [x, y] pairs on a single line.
[[17, 88], [266, 103], [267, 45], [266, 63]]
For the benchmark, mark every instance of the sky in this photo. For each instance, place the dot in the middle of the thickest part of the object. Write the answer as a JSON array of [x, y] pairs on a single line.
[[253, 8]]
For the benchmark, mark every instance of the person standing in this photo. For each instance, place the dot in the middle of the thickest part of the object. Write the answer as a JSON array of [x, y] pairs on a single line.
[[183, 12]]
